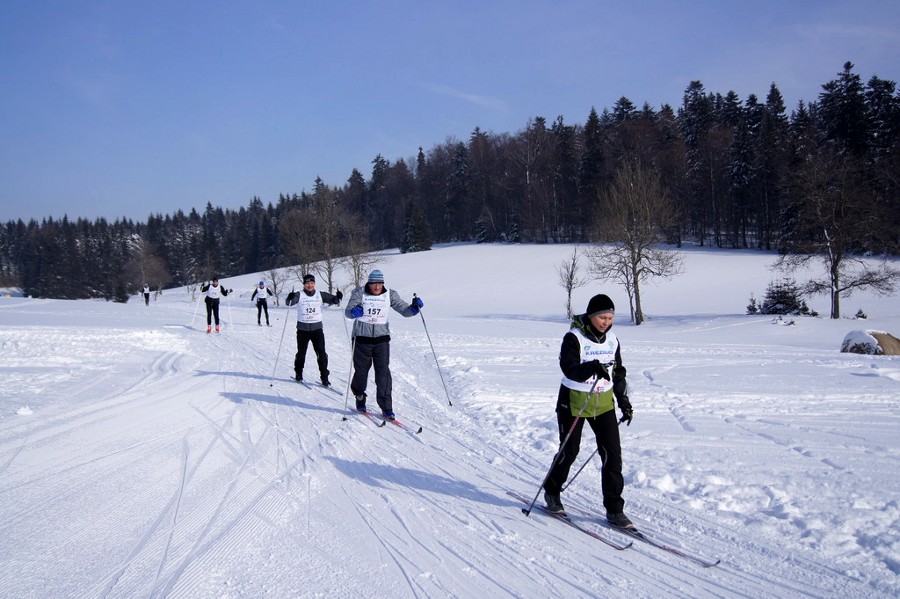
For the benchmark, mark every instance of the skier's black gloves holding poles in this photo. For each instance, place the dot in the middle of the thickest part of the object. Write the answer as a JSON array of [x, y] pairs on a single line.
[[600, 370], [627, 411]]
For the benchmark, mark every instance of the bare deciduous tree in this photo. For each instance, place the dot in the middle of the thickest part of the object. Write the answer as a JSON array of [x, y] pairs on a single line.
[[146, 266], [297, 231], [322, 235], [634, 213], [277, 278], [570, 278], [617, 268], [830, 219]]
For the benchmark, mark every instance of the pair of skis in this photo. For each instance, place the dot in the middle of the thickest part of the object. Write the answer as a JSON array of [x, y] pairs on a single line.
[[377, 420], [381, 422], [323, 386], [564, 518], [630, 532]]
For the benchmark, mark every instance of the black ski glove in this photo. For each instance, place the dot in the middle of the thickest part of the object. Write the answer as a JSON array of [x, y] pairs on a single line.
[[339, 296], [600, 370], [627, 411]]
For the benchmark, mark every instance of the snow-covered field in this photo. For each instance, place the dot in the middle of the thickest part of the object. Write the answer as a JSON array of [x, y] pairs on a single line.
[[141, 457]]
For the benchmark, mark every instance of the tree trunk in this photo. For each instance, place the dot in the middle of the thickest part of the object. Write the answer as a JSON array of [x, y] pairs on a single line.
[[638, 312], [835, 291], [835, 298]]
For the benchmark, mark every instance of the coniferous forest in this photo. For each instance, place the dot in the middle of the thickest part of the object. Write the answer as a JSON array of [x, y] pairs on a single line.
[[728, 172]]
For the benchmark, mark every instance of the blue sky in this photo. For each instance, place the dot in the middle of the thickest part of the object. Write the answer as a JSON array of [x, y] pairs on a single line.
[[125, 108]]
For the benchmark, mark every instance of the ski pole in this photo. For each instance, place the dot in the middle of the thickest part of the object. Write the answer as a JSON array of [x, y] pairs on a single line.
[[350, 376], [562, 446], [572, 480], [278, 353], [347, 330], [441, 374], [197, 305], [228, 304]]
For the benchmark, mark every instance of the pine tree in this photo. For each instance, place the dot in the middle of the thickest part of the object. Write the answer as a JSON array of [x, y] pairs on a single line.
[[590, 164], [416, 232], [457, 197], [771, 154], [783, 297], [842, 111]]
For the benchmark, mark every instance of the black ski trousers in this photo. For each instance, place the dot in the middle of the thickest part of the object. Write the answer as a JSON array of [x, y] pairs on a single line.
[[212, 310], [606, 430], [260, 306], [366, 355], [317, 338]]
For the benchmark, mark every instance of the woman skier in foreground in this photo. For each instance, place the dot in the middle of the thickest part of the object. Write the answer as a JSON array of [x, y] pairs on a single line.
[[593, 376]]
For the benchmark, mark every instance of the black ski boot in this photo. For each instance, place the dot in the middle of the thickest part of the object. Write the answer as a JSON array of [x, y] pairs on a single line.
[[554, 504], [619, 520]]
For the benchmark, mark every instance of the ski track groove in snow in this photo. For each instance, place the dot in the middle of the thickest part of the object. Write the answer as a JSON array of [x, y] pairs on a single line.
[[738, 451]]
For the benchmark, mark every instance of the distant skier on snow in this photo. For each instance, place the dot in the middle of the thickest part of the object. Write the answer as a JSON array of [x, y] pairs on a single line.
[[309, 325], [262, 303], [214, 292], [369, 305], [590, 360], [146, 293]]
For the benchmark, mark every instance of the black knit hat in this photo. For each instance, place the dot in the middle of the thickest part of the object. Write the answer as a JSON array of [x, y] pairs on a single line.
[[600, 304], [308, 278]]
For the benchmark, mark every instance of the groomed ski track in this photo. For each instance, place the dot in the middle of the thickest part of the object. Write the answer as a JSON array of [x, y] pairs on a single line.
[[240, 484]]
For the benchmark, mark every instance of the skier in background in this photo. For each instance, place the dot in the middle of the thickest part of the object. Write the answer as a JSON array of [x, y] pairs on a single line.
[[369, 305], [146, 294], [213, 292], [590, 358], [262, 303], [309, 325]]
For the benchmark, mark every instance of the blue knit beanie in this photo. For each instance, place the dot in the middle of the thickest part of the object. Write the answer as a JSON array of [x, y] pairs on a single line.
[[376, 277]]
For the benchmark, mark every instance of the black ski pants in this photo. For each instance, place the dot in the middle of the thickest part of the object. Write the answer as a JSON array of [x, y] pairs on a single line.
[[317, 338], [262, 305], [606, 430], [365, 355], [212, 310]]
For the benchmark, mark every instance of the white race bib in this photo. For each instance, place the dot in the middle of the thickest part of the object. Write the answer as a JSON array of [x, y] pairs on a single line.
[[309, 308], [376, 307]]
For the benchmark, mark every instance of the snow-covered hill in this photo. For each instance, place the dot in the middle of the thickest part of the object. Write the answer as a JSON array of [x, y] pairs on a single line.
[[140, 456]]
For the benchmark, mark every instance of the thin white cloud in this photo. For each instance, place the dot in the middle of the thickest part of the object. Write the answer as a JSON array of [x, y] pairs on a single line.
[[488, 102]]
